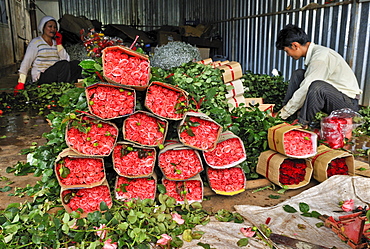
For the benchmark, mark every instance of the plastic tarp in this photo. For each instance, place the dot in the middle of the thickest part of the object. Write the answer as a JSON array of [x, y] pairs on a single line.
[[323, 198]]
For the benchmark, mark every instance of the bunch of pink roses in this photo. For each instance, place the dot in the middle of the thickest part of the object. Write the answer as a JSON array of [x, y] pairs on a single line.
[[191, 190], [135, 188]]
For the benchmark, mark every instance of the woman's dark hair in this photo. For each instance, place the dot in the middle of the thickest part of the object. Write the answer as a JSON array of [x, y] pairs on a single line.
[[289, 34]]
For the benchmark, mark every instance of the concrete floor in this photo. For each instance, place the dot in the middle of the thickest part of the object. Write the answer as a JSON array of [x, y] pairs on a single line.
[[8, 82]]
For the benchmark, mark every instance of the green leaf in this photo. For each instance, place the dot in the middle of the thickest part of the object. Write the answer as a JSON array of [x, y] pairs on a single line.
[[315, 214], [243, 242], [103, 206], [289, 209], [5, 189], [303, 207]]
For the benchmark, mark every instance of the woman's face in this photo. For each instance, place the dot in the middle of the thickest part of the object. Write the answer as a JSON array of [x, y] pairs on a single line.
[[50, 28]]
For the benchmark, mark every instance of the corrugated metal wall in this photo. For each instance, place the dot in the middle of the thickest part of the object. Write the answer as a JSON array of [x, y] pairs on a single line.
[[249, 27]]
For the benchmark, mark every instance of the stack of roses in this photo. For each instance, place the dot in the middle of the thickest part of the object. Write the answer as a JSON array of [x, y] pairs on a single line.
[[88, 199], [180, 164], [125, 67], [166, 101], [292, 171], [226, 153], [199, 133], [131, 161], [136, 188], [226, 180], [108, 101], [333, 131], [337, 166], [144, 129], [298, 143], [191, 190], [80, 171], [91, 137]]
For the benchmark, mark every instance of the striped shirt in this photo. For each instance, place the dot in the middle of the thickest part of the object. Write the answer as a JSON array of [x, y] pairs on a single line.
[[40, 56]]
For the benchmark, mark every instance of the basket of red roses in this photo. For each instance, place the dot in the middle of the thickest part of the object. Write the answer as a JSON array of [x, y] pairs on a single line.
[[188, 191], [124, 66], [178, 162], [166, 101], [284, 171], [199, 131], [75, 171], [292, 141], [229, 152], [144, 128], [230, 181], [328, 162], [133, 161], [109, 101], [127, 189], [87, 199], [87, 135]]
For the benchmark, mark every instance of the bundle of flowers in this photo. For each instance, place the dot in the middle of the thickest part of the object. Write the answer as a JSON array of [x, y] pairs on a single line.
[[288, 172], [124, 66], [92, 137], [199, 131], [190, 190], [108, 101], [137, 188], [229, 152], [329, 162], [337, 166], [166, 101], [75, 171], [88, 199], [292, 171], [133, 161], [228, 181], [292, 141], [334, 130], [95, 42], [145, 129], [179, 162]]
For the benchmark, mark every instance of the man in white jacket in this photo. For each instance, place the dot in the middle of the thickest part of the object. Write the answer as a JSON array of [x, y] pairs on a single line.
[[327, 83], [47, 58]]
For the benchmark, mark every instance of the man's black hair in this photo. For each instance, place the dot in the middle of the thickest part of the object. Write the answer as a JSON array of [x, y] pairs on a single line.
[[289, 34]]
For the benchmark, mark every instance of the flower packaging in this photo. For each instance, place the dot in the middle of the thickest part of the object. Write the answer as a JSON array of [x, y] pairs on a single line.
[[199, 131], [216, 64], [190, 190], [108, 101], [91, 136], [230, 181], [292, 141], [229, 152], [205, 61], [135, 188], [231, 71], [328, 162], [144, 128], [178, 162], [236, 101], [284, 171], [133, 161], [237, 89], [75, 171], [87, 199], [127, 67], [166, 101]]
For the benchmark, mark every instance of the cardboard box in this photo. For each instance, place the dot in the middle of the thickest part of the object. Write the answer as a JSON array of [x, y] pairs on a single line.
[[253, 101], [219, 63], [323, 158], [231, 71], [204, 53], [277, 135], [165, 37], [192, 31], [269, 166], [205, 61]]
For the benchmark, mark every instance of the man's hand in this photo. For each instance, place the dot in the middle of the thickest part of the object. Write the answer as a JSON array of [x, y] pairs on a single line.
[[19, 86], [58, 38]]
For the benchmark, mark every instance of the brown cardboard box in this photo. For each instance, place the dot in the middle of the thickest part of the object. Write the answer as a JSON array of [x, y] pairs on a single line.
[[269, 166], [165, 37], [204, 53], [253, 101]]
